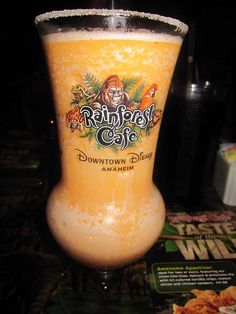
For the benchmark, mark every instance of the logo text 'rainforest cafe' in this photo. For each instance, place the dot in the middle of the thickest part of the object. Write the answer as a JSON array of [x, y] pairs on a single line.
[[116, 113], [110, 126]]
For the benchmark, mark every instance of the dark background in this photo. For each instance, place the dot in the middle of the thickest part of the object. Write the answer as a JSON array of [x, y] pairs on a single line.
[[24, 88]]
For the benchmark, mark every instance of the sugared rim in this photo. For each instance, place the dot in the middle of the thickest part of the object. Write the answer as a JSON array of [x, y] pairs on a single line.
[[107, 12]]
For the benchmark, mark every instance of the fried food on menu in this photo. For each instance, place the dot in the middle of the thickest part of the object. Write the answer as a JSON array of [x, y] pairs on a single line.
[[228, 296], [207, 302], [208, 296]]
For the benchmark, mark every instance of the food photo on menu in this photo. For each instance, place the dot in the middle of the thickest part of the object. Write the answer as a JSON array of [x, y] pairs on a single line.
[[192, 267]]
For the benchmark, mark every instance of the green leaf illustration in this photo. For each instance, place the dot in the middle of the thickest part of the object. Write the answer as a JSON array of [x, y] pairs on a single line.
[[97, 146], [129, 83], [136, 129], [92, 83], [115, 148], [90, 134], [137, 94], [170, 246]]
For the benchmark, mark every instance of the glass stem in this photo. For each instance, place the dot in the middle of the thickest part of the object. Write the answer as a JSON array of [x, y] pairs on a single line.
[[104, 280]]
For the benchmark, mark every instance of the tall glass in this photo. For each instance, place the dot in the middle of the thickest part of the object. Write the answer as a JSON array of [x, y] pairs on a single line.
[[110, 72]]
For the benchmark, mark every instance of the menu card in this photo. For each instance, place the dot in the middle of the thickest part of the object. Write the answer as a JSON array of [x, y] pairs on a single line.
[[192, 267]]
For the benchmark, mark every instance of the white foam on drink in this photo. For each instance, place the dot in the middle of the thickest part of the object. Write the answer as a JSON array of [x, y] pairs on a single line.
[[106, 35], [180, 26], [103, 239]]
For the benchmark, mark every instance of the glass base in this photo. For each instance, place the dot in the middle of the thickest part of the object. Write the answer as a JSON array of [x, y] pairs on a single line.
[[86, 291]]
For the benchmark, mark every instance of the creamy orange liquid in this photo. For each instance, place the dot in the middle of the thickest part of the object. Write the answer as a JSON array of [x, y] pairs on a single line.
[[106, 212]]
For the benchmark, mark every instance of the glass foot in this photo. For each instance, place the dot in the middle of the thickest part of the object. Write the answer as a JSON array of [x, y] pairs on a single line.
[[85, 291]]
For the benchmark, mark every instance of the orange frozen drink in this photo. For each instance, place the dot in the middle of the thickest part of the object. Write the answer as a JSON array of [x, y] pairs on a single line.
[[110, 89]]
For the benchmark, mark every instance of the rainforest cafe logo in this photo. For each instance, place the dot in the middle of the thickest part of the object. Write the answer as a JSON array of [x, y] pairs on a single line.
[[111, 115], [108, 124]]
